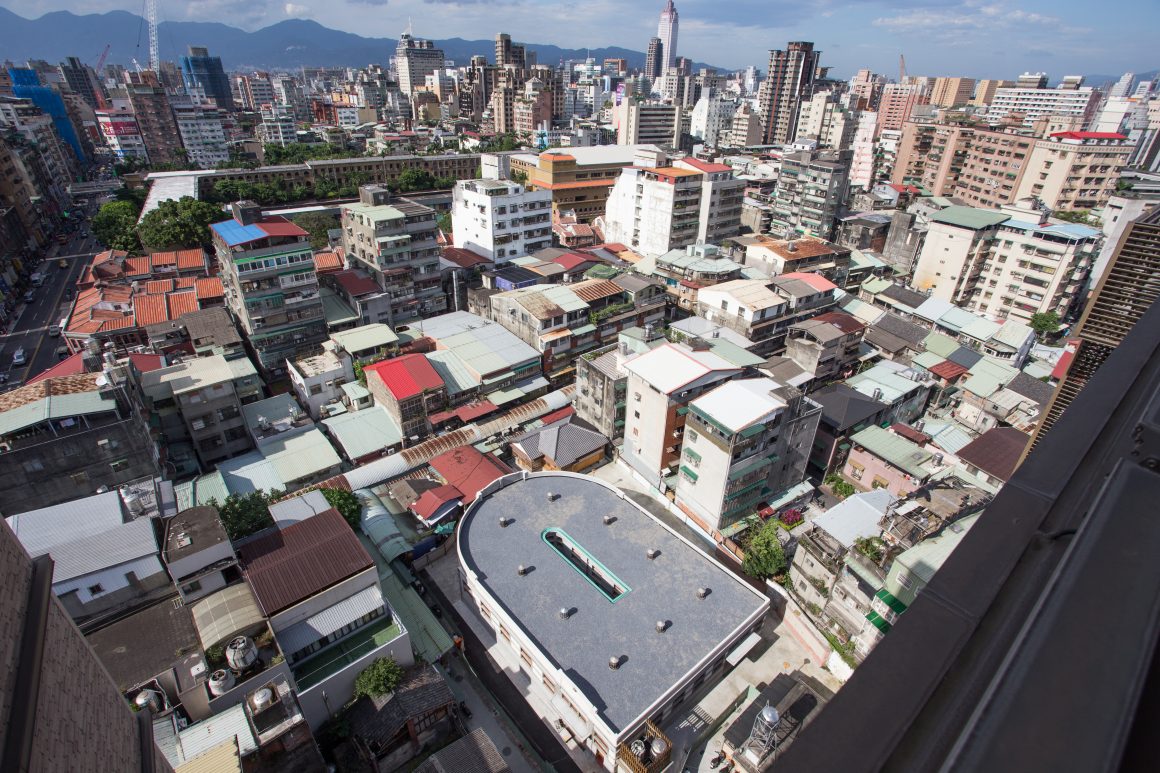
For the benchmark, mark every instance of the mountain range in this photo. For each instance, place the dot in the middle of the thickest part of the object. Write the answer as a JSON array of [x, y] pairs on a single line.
[[286, 45]]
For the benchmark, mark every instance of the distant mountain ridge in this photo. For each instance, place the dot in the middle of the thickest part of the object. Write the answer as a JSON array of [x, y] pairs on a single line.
[[286, 45]]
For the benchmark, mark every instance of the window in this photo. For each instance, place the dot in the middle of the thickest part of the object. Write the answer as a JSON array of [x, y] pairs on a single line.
[[33, 465], [905, 580], [691, 435], [96, 589], [856, 471], [192, 587], [119, 465], [636, 414]]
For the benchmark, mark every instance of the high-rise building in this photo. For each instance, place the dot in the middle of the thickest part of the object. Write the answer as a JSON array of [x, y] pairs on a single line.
[[154, 116], [122, 134], [898, 102], [826, 118], [500, 219], [790, 80], [667, 32], [1075, 170], [204, 73], [985, 91], [655, 59], [203, 134], [82, 80], [654, 209], [255, 90], [415, 59], [1128, 288], [1123, 86], [508, 54], [811, 189], [267, 269], [951, 92], [867, 88], [1032, 103], [277, 126], [648, 123], [26, 85]]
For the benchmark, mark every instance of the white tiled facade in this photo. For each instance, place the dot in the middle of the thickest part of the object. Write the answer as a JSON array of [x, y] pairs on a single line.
[[501, 220]]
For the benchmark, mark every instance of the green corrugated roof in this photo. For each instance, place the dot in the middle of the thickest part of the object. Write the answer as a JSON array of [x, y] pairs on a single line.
[[335, 309], [366, 337], [942, 345], [969, 217], [364, 432], [889, 600], [894, 450], [454, 372], [734, 354], [54, 407], [877, 621]]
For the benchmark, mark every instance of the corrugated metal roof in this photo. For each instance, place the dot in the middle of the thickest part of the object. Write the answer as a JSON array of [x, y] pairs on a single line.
[[220, 615], [894, 449], [63, 397], [223, 758], [366, 337], [234, 233], [969, 217], [364, 432], [301, 456], [453, 371], [298, 508], [670, 367], [84, 555], [855, 517], [40, 530], [406, 376], [205, 735], [329, 620], [299, 561]]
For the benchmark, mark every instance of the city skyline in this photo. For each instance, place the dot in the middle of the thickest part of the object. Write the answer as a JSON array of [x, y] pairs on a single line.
[[956, 38]]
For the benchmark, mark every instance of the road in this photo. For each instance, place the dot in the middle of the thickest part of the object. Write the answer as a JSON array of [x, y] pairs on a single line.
[[30, 331]]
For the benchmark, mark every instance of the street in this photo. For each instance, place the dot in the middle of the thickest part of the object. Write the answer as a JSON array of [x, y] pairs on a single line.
[[30, 329]]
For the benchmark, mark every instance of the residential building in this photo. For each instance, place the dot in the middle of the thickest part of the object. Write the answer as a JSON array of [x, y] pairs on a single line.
[[154, 116], [278, 126], [204, 74], [863, 162], [712, 119], [501, 220], [655, 209], [415, 59], [82, 80], [721, 197], [993, 169], [621, 682], [952, 92], [122, 134], [827, 346], [654, 63], [884, 459], [199, 401], [845, 412], [198, 554], [985, 91], [411, 390], [811, 191], [746, 443], [661, 384], [640, 122], [105, 558], [809, 254], [318, 380], [580, 177], [319, 589], [397, 244], [789, 81], [560, 445], [1127, 289], [763, 310], [745, 131], [267, 268], [202, 135], [897, 104], [993, 456], [1033, 103], [826, 118], [905, 390], [1075, 170], [255, 90], [78, 718], [685, 271], [602, 382]]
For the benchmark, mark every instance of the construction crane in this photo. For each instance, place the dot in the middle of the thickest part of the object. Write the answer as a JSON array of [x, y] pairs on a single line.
[[151, 20], [99, 91], [101, 59]]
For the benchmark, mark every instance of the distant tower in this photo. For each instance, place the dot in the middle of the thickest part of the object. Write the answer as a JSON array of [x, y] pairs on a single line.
[[654, 60], [667, 32], [790, 81]]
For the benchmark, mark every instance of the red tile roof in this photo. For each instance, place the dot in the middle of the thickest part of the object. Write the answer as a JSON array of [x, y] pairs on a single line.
[[147, 362], [289, 566], [433, 499], [571, 260], [356, 283], [847, 323], [1090, 135], [280, 226], [816, 281], [996, 452], [705, 166], [948, 370], [406, 376], [327, 261], [209, 287], [554, 416], [468, 470], [464, 258], [904, 188], [69, 366]]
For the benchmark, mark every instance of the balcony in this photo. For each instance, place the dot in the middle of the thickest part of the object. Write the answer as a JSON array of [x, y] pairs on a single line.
[[330, 661]]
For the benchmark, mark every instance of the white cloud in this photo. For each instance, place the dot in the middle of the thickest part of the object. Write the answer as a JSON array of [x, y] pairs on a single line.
[[294, 9]]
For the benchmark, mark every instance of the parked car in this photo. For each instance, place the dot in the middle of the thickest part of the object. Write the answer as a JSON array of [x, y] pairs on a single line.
[[62, 263], [29, 296], [18, 357]]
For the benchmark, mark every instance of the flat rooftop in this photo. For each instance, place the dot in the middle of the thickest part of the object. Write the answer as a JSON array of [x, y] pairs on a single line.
[[648, 590]]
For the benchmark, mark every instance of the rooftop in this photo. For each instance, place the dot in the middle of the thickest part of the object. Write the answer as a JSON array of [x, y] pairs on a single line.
[[364, 432], [289, 566], [969, 217], [661, 589], [996, 452], [468, 470], [62, 397], [563, 443], [485, 347], [364, 338], [142, 645], [670, 367], [855, 517], [318, 364], [191, 531], [738, 405], [195, 373], [407, 376], [895, 450], [235, 234]]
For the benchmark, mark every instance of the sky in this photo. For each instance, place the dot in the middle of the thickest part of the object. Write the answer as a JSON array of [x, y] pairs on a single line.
[[973, 38]]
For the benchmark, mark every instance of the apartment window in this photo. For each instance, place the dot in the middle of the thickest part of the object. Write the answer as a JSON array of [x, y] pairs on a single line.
[[96, 589], [33, 465], [636, 414], [691, 435], [316, 389], [856, 470], [905, 580]]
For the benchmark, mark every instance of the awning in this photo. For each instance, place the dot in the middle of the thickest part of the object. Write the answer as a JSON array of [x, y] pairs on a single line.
[[329, 620], [741, 650], [877, 621]]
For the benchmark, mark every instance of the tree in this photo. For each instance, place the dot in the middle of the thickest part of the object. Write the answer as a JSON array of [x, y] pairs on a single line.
[[115, 226], [179, 224], [1081, 216], [414, 179], [346, 503], [318, 224], [764, 557], [443, 221], [520, 177], [1045, 324], [244, 514], [379, 678]]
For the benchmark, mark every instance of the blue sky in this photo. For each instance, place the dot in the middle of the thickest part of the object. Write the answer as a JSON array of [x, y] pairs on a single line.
[[978, 38]]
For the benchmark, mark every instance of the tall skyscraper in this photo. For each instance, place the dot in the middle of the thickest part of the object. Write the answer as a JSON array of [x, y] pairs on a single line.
[[667, 32], [415, 59], [82, 80], [204, 73], [1129, 287], [654, 60], [154, 116], [790, 80]]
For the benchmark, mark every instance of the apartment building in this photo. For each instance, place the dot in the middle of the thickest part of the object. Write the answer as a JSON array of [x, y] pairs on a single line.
[[122, 133], [721, 197], [154, 115], [654, 209], [580, 178], [501, 220], [661, 384], [1075, 170], [278, 126], [415, 59], [896, 106], [1032, 104], [648, 123], [202, 134], [985, 91], [952, 92], [410, 390], [267, 269], [991, 172], [685, 271], [396, 243], [602, 381], [811, 191], [789, 81], [763, 310], [745, 444], [826, 346], [827, 118], [199, 401], [776, 256]]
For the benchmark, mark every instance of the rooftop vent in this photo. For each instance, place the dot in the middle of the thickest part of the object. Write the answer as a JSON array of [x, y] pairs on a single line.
[[565, 613], [703, 592], [504, 522], [609, 520], [653, 553], [521, 570], [662, 626], [553, 496], [614, 662]]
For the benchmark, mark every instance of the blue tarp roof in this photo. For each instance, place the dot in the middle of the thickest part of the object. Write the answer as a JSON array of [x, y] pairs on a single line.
[[234, 233]]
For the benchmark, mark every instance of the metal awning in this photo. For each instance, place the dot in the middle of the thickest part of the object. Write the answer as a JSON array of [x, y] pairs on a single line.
[[741, 650], [329, 620]]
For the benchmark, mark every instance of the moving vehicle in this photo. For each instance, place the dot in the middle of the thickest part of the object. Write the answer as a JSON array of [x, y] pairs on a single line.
[[53, 331], [29, 296], [18, 357], [62, 263], [37, 279]]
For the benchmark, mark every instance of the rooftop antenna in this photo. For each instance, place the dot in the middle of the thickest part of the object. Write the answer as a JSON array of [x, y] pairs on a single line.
[[409, 27]]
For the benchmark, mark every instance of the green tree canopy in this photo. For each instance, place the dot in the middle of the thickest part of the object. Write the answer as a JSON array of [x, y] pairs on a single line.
[[317, 223], [1045, 324], [414, 179], [115, 226], [180, 224], [764, 557], [244, 514], [379, 678], [346, 503], [443, 221]]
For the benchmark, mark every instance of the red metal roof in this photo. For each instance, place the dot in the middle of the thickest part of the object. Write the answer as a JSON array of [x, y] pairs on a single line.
[[1065, 359], [1090, 135], [948, 370], [69, 366], [464, 258], [468, 470], [847, 323], [433, 499], [910, 433], [356, 282], [816, 281], [996, 452], [473, 411], [280, 226], [705, 166], [571, 260], [289, 566], [147, 362], [406, 376], [555, 416]]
